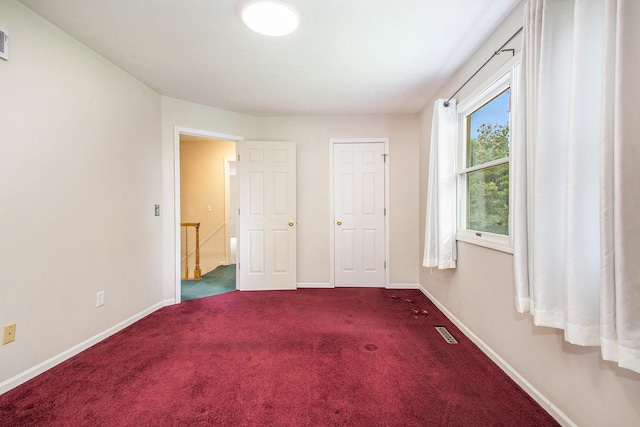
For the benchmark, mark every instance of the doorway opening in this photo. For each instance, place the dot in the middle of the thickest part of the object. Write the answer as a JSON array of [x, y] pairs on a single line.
[[205, 223]]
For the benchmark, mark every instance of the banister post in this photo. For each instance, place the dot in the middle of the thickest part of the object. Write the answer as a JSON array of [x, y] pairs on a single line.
[[186, 252], [197, 274]]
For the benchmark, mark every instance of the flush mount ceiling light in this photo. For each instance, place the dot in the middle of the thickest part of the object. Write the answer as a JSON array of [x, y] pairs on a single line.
[[270, 18]]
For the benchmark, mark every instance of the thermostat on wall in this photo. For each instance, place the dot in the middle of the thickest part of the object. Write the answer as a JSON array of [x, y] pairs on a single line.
[[4, 43]]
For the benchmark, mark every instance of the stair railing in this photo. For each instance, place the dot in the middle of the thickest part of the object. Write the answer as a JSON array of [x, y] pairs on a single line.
[[197, 274]]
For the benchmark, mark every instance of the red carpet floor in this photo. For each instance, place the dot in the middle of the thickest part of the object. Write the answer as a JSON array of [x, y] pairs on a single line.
[[330, 357]]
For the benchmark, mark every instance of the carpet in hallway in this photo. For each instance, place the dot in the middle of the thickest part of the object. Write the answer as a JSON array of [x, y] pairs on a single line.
[[218, 281]]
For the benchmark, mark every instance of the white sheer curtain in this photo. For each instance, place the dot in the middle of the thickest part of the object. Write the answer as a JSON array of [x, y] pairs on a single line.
[[440, 230], [577, 185]]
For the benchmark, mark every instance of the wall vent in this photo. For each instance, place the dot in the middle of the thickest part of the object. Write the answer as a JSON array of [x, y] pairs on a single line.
[[4, 44]]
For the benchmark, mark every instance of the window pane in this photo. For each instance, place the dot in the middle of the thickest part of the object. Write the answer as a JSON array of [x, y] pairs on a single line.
[[488, 131], [488, 200]]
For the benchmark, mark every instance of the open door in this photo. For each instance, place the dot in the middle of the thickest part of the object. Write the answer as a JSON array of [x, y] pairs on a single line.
[[267, 215]]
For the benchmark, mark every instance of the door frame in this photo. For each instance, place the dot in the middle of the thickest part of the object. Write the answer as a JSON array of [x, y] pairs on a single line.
[[227, 209], [332, 143], [177, 131]]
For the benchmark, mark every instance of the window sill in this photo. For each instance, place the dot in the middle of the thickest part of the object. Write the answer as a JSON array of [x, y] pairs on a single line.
[[488, 240]]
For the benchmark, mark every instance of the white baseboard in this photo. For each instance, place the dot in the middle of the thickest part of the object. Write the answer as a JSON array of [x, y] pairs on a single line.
[[329, 286], [165, 303], [314, 285], [25, 376], [403, 286], [535, 394]]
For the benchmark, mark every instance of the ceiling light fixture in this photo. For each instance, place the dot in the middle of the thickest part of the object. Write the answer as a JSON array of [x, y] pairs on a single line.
[[270, 18]]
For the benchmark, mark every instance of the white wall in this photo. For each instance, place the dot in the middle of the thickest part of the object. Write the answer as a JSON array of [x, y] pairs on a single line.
[[480, 294], [184, 114], [312, 135], [80, 172]]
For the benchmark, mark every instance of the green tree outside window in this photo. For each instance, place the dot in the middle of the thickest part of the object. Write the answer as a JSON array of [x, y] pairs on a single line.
[[488, 188]]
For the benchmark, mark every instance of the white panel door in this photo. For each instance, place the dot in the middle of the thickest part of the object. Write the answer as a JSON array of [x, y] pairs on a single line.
[[267, 220], [359, 246]]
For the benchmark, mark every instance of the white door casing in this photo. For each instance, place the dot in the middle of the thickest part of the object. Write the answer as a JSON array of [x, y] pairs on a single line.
[[267, 219], [359, 223], [177, 255], [231, 209]]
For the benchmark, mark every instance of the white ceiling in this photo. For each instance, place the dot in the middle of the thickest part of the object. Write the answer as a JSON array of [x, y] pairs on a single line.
[[347, 56]]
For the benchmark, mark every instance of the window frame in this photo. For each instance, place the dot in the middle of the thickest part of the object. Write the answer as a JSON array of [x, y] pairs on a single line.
[[505, 78]]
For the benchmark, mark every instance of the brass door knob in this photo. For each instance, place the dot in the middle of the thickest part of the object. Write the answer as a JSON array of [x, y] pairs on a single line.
[[339, 222], [290, 223]]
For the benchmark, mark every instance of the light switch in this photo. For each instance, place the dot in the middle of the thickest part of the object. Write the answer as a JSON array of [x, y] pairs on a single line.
[[4, 44]]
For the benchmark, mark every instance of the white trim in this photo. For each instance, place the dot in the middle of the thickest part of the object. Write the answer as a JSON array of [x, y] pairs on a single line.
[[177, 131], [403, 286], [314, 286], [227, 214], [484, 93], [206, 134], [493, 241], [504, 78], [25, 376], [332, 218], [487, 165], [535, 394], [387, 207]]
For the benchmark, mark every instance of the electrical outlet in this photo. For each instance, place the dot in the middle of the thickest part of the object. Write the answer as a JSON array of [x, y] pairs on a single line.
[[100, 299], [9, 334]]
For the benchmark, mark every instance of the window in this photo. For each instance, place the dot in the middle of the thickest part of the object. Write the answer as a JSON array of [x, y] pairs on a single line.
[[484, 195]]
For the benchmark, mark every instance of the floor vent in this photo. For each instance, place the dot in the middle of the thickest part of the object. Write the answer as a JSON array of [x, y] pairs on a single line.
[[446, 335]]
